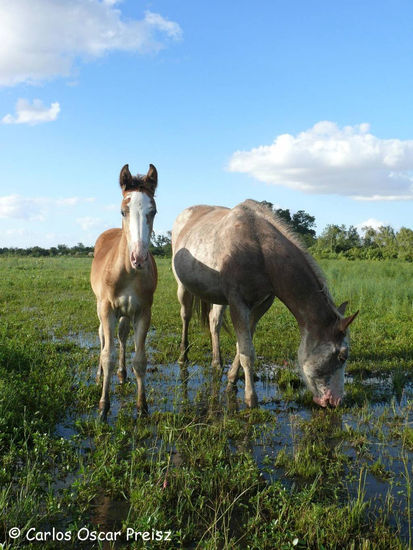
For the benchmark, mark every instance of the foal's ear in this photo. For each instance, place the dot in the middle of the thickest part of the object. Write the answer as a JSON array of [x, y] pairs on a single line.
[[152, 178], [125, 178], [343, 324], [342, 308]]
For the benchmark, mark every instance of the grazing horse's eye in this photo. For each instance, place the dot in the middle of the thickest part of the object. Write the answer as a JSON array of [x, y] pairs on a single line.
[[342, 354], [123, 213]]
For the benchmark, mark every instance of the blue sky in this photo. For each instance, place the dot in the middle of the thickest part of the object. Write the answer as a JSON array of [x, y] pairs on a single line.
[[304, 104]]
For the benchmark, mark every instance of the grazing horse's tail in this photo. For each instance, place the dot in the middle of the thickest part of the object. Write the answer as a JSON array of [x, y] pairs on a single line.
[[202, 310]]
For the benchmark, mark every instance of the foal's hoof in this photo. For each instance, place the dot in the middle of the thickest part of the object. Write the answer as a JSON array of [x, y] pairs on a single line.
[[104, 407], [121, 376]]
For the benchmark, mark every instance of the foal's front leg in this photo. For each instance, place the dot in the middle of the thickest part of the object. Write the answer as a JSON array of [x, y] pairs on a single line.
[[107, 356], [123, 332], [140, 327]]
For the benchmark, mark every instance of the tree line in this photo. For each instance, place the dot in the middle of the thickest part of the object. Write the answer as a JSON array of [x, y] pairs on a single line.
[[339, 241], [335, 241]]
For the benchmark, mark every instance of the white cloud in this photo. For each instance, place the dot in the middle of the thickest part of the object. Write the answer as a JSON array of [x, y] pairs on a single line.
[[327, 159], [35, 209], [371, 222], [34, 113], [42, 39], [87, 222]]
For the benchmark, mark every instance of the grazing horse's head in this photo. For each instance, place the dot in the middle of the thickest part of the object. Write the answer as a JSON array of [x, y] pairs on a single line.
[[138, 211], [322, 360]]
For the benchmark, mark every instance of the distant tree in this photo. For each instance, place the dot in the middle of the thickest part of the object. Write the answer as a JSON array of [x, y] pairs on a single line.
[[404, 239], [381, 242], [267, 204], [161, 244], [301, 223], [338, 239], [284, 214]]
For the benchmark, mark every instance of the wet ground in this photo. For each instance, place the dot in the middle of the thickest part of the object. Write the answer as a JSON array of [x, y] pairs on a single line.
[[378, 465]]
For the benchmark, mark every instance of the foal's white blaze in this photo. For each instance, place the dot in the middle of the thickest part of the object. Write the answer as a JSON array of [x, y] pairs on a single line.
[[140, 227]]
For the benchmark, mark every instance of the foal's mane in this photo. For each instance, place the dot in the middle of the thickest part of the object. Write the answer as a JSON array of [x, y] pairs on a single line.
[[140, 183], [289, 234]]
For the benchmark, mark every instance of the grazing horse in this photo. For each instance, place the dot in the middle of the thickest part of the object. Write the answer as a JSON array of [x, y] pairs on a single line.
[[124, 278], [243, 258]]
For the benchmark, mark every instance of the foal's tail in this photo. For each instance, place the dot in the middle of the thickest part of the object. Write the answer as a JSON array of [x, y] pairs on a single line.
[[202, 310]]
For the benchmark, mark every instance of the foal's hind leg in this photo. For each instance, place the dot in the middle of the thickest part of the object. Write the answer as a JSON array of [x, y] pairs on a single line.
[[186, 300], [123, 332], [216, 316]]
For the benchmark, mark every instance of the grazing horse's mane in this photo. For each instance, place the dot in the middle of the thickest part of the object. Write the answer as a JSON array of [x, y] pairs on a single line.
[[274, 219]]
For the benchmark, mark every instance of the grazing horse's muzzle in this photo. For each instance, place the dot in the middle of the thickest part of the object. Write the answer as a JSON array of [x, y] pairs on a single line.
[[138, 259], [327, 399]]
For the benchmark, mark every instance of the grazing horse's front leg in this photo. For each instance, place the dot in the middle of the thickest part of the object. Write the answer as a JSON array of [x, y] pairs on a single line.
[[240, 316], [256, 315], [107, 356], [186, 299], [140, 327]]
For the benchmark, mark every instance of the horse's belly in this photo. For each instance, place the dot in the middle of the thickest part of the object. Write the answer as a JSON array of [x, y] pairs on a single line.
[[198, 278]]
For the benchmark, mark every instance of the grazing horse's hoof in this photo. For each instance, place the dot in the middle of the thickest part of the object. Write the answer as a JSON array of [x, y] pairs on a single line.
[[232, 401], [142, 408], [252, 401], [231, 388], [121, 376]]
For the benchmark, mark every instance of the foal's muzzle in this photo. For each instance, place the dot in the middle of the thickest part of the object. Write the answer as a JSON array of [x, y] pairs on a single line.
[[138, 260]]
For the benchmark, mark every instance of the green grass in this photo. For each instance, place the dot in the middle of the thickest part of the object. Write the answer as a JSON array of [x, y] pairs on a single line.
[[287, 475]]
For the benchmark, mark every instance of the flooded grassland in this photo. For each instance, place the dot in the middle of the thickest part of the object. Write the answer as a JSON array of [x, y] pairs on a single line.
[[201, 471]]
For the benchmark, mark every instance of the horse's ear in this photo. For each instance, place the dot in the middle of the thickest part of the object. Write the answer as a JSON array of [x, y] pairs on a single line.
[[152, 178], [342, 308], [125, 178], [343, 324]]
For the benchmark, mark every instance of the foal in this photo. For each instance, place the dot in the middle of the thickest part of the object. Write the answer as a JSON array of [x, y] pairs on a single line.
[[123, 278]]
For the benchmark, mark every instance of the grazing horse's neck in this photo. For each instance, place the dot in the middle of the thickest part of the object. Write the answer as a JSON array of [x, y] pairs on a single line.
[[303, 291]]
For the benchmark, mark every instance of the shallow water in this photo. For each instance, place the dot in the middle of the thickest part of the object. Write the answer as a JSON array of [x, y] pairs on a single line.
[[170, 388]]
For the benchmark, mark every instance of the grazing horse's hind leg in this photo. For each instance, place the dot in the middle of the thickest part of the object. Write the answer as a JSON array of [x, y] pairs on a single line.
[[216, 316], [107, 356], [123, 331], [186, 299], [140, 328]]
